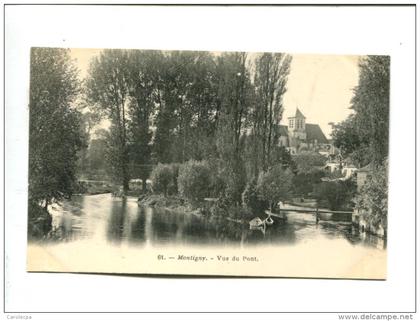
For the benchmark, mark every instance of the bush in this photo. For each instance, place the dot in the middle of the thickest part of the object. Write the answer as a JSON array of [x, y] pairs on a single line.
[[220, 208], [251, 199], [174, 184], [240, 213], [162, 178], [307, 161], [39, 220], [224, 208], [194, 180], [303, 183], [218, 185], [274, 185], [336, 194], [373, 198], [280, 155]]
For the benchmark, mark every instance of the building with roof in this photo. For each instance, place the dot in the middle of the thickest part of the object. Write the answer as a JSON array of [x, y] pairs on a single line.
[[300, 136]]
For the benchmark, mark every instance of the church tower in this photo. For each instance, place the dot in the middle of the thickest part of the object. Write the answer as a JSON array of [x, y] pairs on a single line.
[[297, 126]]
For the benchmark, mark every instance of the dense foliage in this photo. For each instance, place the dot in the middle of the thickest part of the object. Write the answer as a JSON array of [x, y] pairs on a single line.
[[162, 177], [270, 79], [108, 93], [252, 199], [304, 182], [308, 161], [335, 195], [199, 105], [194, 180], [364, 135], [275, 185], [372, 201], [56, 134]]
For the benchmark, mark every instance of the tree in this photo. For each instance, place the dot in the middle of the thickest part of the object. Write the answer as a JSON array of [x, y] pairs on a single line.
[[275, 185], [55, 134], [194, 180], [87, 123], [251, 198], [304, 182], [271, 72], [309, 161], [95, 161], [336, 194], [364, 135], [162, 178], [108, 91], [142, 79], [371, 105], [280, 155], [373, 199], [187, 107], [235, 92]]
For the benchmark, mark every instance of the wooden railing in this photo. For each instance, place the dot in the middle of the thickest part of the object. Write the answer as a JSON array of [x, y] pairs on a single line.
[[311, 211]]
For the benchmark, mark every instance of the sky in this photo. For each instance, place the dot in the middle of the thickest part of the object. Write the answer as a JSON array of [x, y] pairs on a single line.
[[319, 85]]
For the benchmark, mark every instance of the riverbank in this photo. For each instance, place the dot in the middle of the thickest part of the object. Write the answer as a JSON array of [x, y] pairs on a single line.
[[170, 203], [91, 187]]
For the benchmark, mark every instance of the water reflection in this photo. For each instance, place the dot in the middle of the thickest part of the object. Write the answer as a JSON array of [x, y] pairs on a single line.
[[102, 218]]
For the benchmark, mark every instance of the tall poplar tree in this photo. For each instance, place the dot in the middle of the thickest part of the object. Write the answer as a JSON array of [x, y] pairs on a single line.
[[270, 79], [108, 92]]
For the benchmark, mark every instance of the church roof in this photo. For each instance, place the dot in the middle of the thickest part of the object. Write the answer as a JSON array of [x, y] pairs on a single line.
[[313, 131], [299, 114]]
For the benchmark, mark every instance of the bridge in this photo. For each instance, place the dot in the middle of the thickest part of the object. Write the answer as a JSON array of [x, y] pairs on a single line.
[[344, 215]]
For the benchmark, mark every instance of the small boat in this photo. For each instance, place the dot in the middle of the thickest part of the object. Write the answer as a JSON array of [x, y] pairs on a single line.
[[278, 216], [269, 220]]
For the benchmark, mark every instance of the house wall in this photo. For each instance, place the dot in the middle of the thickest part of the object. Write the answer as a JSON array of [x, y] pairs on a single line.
[[298, 134]]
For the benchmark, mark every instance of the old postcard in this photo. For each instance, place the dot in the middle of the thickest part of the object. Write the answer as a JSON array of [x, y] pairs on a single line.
[[208, 163]]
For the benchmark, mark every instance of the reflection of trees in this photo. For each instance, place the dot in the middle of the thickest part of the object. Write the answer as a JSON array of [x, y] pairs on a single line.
[[353, 235], [197, 230], [161, 226], [138, 227], [116, 221], [278, 233], [235, 232], [165, 225], [226, 231]]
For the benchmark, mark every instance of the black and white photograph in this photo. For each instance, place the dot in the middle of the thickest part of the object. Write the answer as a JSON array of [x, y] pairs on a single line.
[[208, 157]]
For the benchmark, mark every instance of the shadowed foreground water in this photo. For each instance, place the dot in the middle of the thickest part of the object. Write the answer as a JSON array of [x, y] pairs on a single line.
[[103, 219]]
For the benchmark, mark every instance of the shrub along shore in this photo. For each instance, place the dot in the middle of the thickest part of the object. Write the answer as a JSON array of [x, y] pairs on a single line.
[[201, 188]]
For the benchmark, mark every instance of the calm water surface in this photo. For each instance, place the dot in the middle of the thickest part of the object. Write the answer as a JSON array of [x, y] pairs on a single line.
[[102, 218]]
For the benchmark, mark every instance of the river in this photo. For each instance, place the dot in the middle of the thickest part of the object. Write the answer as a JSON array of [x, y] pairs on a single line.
[[104, 219], [103, 234]]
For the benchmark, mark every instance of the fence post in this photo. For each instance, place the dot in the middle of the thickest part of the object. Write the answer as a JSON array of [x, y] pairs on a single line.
[[316, 216]]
